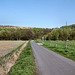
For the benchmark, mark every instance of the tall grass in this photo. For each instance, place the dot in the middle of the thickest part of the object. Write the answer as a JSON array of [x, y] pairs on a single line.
[[25, 65]]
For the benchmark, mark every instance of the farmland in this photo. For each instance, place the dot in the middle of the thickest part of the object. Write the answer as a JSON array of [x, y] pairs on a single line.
[[8, 46], [61, 49], [25, 65]]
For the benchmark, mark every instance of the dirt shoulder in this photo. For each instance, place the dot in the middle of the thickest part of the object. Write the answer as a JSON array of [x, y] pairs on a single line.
[[7, 62]]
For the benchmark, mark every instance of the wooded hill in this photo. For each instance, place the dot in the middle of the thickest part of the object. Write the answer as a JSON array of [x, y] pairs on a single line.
[[69, 26], [63, 33], [24, 33], [13, 27], [19, 33]]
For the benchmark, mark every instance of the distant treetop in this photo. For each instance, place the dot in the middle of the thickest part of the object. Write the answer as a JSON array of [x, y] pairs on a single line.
[[69, 26]]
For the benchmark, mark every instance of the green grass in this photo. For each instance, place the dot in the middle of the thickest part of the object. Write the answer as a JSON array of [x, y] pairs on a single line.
[[60, 49], [38, 41], [25, 65]]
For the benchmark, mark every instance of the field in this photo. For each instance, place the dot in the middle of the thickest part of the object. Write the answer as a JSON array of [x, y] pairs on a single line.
[[25, 65], [7, 46], [60, 48]]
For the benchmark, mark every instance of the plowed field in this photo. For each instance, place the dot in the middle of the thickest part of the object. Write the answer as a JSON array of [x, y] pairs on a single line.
[[7, 46]]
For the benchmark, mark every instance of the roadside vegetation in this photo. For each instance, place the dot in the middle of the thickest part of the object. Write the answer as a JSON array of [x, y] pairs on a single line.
[[25, 65], [62, 41], [60, 48], [9, 59]]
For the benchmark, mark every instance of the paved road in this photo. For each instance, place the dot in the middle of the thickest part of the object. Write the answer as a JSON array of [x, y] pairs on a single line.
[[50, 63]]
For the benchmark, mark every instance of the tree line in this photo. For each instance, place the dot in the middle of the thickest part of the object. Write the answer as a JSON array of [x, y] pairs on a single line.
[[63, 33], [23, 34]]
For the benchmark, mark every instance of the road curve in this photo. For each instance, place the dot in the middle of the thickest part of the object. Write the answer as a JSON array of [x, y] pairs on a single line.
[[50, 63]]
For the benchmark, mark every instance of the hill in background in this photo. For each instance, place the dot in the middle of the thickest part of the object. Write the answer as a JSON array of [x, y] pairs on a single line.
[[13, 27], [69, 26]]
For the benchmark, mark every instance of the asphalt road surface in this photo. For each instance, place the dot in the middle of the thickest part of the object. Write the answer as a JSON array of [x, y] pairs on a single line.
[[50, 63]]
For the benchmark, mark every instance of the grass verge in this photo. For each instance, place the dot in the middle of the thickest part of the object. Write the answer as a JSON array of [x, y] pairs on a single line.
[[60, 49], [25, 65]]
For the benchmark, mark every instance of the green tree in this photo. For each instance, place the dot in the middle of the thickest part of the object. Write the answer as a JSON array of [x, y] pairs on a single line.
[[66, 35], [49, 37], [28, 34]]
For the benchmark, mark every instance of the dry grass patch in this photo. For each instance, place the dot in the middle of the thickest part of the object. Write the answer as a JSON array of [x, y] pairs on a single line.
[[7, 46]]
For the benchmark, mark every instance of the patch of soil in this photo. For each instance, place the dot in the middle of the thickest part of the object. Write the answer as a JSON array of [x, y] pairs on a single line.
[[8, 62], [5, 47]]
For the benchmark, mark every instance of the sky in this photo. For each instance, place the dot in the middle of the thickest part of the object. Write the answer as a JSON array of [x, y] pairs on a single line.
[[37, 13]]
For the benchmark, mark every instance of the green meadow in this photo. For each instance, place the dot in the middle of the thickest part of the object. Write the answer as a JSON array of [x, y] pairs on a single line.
[[61, 49]]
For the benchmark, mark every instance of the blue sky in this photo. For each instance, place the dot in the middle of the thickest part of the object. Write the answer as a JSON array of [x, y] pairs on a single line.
[[37, 13]]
